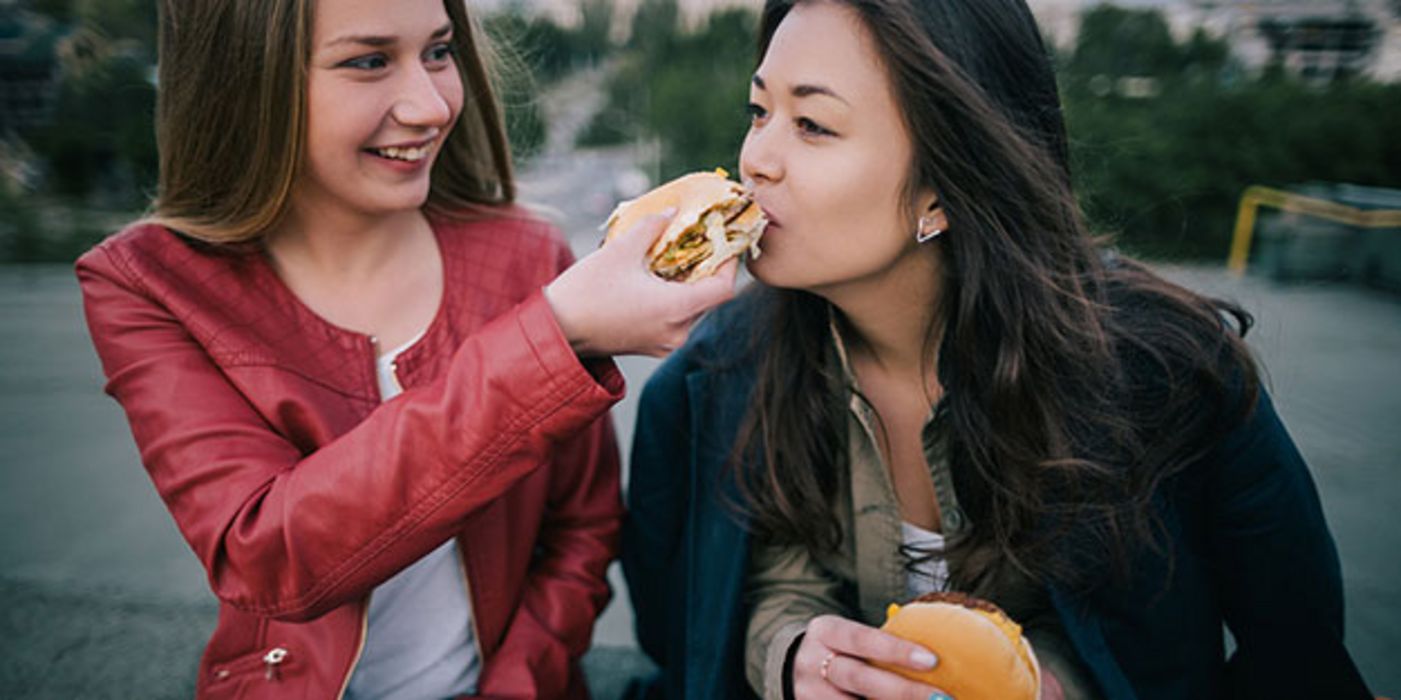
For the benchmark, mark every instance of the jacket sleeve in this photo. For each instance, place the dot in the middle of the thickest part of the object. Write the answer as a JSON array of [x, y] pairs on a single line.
[[290, 535], [788, 589], [567, 586], [1280, 583]]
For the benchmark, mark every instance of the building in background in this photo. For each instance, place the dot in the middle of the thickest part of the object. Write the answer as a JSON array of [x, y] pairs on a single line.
[[570, 13], [1318, 40]]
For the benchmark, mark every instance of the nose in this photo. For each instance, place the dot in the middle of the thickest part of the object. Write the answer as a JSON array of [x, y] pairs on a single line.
[[760, 159], [422, 100]]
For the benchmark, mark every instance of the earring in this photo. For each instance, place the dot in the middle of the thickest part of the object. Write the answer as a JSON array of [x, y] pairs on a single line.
[[925, 233]]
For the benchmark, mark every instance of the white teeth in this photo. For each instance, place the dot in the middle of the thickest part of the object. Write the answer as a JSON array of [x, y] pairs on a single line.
[[411, 155]]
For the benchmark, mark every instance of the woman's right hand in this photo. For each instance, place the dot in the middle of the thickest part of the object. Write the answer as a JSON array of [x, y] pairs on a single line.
[[609, 303], [833, 662]]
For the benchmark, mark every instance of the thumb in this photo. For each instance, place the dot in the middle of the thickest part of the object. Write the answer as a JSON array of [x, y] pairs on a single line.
[[717, 288]]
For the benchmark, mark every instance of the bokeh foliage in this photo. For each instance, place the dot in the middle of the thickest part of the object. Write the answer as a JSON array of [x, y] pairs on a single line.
[[686, 87], [1165, 171], [94, 157]]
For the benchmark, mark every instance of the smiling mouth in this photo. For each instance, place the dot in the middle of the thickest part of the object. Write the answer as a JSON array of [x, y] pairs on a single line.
[[411, 154]]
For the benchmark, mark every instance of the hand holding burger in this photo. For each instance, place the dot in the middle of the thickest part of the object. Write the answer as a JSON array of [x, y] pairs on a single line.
[[982, 653], [840, 658], [624, 298]]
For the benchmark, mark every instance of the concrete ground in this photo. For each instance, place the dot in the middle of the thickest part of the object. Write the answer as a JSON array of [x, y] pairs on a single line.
[[101, 597]]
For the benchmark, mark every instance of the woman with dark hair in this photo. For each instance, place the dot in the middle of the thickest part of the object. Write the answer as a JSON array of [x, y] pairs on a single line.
[[374, 411], [951, 385]]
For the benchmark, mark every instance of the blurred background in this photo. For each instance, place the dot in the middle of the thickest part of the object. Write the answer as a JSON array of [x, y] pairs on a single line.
[[1249, 149]]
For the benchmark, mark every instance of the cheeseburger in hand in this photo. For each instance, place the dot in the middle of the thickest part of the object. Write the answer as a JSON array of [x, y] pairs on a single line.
[[982, 654], [715, 220]]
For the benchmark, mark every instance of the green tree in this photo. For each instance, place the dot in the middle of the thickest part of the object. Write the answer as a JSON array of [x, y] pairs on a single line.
[[1165, 171], [81, 150], [120, 19], [1116, 41], [688, 89]]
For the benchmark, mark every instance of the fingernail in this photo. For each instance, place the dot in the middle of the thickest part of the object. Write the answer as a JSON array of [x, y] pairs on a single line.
[[936, 695], [923, 659]]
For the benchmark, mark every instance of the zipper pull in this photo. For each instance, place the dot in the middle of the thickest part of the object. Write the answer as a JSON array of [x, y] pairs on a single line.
[[272, 659]]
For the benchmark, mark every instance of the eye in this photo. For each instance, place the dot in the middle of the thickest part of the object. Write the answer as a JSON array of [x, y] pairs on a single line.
[[440, 53], [374, 61], [812, 128], [755, 112]]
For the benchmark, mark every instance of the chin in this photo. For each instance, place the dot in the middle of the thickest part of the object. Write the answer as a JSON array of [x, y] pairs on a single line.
[[774, 269], [398, 203]]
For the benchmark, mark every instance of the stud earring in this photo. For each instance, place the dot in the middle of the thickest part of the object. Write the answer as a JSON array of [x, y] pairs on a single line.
[[925, 232]]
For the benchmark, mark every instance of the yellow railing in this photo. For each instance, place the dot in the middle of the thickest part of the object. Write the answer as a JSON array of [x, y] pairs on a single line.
[[1256, 196]]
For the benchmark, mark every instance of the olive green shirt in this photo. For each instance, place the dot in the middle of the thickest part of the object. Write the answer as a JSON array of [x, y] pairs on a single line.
[[790, 585]]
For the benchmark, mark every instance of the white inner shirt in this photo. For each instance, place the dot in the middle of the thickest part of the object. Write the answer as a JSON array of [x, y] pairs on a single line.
[[932, 573], [419, 642]]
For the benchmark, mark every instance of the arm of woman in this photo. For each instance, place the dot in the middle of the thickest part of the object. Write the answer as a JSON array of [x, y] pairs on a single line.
[[567, 586], [800, 645], [291, 535], [1280, 581]]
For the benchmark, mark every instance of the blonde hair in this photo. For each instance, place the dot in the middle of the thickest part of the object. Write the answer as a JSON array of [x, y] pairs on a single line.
[[231, 118]]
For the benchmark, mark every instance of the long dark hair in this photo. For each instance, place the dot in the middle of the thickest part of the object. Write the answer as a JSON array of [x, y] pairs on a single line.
[[1075, 383]]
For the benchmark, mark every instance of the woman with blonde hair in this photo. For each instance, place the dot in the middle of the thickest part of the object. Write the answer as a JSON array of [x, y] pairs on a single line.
[[376, 415]]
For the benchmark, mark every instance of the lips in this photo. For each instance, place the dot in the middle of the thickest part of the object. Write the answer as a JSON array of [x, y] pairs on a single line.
[[773, 220]]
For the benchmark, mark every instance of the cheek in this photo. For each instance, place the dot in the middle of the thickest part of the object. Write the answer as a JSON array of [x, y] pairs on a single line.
[[339, 120], [847, 222], [449, 84]]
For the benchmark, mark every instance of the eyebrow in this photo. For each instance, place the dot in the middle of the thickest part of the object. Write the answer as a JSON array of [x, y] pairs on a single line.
[[377, 41], [805, 90]]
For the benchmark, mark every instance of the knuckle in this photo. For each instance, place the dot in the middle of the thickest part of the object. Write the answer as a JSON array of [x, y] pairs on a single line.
[[839, 673]]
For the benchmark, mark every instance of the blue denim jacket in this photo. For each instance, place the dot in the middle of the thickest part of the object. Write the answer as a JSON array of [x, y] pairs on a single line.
[[1252, 552]]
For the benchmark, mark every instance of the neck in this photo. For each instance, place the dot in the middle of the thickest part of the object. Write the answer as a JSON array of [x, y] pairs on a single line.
[[341, 243], [891, 314]]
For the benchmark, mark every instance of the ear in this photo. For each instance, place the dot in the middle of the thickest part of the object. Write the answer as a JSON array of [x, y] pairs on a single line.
[[931, 210]]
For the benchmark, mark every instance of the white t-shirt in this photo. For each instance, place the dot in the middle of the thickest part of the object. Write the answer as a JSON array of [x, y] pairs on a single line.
[[419, 642], [930, 574]]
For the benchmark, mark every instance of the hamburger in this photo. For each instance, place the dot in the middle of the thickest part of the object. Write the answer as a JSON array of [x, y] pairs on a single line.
[[716, 219], [982, 653]]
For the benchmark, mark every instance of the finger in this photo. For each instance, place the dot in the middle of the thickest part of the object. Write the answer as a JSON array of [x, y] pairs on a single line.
[[862, 641], [822, 690], [813, 685], [728, 270], [862, 679], [713, 290]]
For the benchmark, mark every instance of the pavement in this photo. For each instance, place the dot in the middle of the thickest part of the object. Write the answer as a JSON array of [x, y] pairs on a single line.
[[101, 597]]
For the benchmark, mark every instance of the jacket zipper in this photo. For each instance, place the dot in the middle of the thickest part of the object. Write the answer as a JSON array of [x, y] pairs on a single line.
[[272, 660], [359, 647], [472, 604]]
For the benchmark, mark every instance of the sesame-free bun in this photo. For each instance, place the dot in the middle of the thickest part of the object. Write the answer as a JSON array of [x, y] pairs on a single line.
[[982, 654], [715, 220]]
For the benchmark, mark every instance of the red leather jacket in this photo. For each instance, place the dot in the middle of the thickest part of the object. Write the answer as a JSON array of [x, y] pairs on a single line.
[[261, 425]]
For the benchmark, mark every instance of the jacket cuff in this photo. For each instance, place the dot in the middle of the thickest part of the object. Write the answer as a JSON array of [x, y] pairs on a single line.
[[776, 666], [558, 360]]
